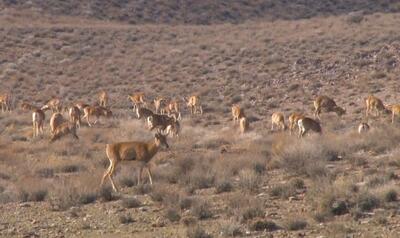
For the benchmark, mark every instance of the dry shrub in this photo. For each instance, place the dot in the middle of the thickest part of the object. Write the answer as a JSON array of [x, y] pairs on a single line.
[[231, 229], [130, 203], [249, 180], [296, 224], [263, 225], [126, 219], [197, 232], [106, 194], [172, 214], [201, 210]]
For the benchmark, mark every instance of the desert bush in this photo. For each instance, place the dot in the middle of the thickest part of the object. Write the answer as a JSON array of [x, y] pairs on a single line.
[[355, 17], [172, 214], [283, 191], [252, 212], [197, 232], [231, 229], [32, 195], [263, 225], [366, 202], [224, 186], [106, 194], [202, 210], [45, 172], [249, 180], [127, 182], [130, 203], [390, 195], [126, 219], [296, 224], [185, 202]]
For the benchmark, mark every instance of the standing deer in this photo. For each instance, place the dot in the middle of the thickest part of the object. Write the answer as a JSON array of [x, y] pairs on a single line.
[[293, 119], [38, 118], [237, 113], [194, 104], [141, 152], [5, 102], [373, 103], [158, 103], [55, 121], [363, 128], [53, 104], [137, 99], [278, 119], [306, 124], [103, 99], [243, 125], [97, 112], [328, 104], [75, 116]]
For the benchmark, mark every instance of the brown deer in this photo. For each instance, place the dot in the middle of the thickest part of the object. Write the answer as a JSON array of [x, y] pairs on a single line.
[[173, 129], [5, 102], [374, 104], [75, 115], [395, 110], [243, 125], [158, 103], [141, 152], [143, 113], [38, 117], [293, 119], [64, 129], [327, 104], [137, 99], [103, 99], [194, 104], [237, 113], [306, 124], [363, 128], [97, 112], [81, 106], [54, 104], [55, 121], [278, 119], [160, 122]]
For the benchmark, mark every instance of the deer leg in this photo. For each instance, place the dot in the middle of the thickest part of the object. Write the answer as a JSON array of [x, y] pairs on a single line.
[[393, 117], [105, 174], [140, 174], [110, 177], [149, 174]]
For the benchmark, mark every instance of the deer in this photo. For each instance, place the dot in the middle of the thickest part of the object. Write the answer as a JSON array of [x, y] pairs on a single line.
[[141, 152], [55, 121], [38, 117], [293, 119], [374, 104], [278, 119], [63, 129], [81, 105], [161, 122], [306, 124], [173, 129], [158, 103], [395, 111], [5, 102], [137, 99], [194, 104], [328, 104], [363, 127], [97, 112], [237, 113], [75, 115], [143, 113], [243, 125], [54, 104], [103, 98]]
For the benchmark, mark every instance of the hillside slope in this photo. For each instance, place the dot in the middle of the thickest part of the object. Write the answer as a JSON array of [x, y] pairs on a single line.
[[201, 12]]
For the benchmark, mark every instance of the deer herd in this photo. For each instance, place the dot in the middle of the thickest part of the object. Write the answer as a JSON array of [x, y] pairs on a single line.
[[165, 119]]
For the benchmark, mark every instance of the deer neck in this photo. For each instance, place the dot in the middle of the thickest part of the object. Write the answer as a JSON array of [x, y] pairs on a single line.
[[152, 148]]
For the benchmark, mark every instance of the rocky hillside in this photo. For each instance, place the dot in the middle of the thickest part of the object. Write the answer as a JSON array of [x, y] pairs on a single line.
[[200, 12]]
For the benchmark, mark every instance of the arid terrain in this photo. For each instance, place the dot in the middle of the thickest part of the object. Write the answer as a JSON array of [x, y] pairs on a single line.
[[212, 181]]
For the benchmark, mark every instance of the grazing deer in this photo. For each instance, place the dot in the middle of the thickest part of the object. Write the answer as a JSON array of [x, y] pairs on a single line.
[[75, 115], [143, 113], [141, 152], [293, 119], [374, 104], [103, 99], [55, 121], [194, 104], [237, 113], [305, 124], [328, 104], [64, 129], [278, 119], [38, 117], [363, 127], [97, 112], [160, 122], [53, 104], [5, 102], [137, 99], [243, 125], [157, 103]]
